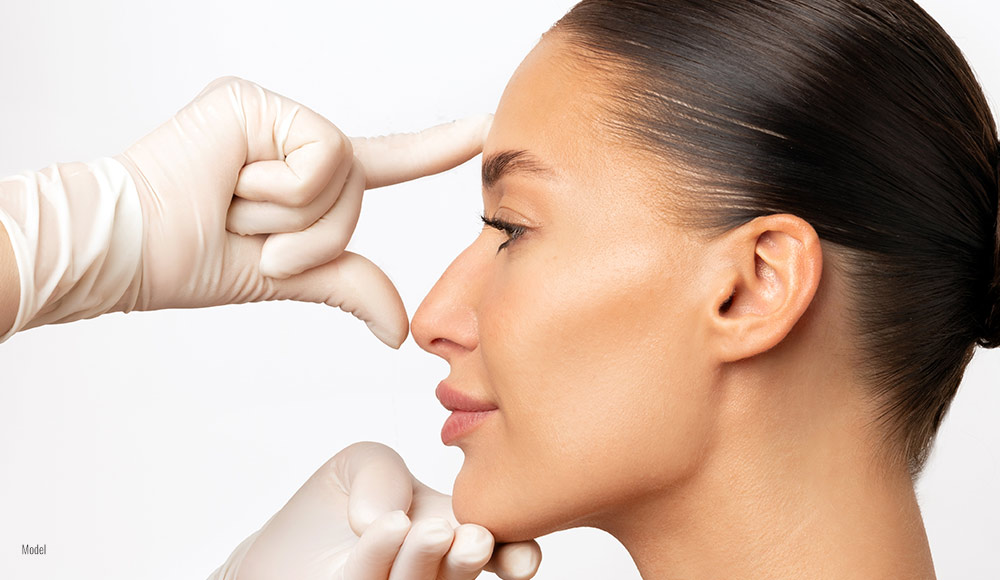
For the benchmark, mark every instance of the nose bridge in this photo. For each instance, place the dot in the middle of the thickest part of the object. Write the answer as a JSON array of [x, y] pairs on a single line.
[[449, 309]]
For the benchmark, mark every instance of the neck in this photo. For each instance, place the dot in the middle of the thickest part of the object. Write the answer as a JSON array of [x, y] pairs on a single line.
[[794, 481], [796, 497]]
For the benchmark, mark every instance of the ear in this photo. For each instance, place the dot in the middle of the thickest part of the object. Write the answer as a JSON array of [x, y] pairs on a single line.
[[773, 268]]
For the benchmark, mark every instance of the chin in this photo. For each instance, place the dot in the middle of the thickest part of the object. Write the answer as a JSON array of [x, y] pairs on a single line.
[[479, 504], [500, 505]]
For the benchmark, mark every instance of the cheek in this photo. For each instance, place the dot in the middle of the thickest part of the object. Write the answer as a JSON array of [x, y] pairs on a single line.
[[589, 355]]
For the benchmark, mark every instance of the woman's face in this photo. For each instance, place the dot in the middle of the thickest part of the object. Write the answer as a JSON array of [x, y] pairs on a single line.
[[583, 333]]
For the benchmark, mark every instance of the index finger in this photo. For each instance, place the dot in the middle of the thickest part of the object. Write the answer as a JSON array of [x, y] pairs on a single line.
[[396, 158]]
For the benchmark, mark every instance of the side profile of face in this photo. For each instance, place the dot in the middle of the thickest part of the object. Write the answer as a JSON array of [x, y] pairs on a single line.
[[583, 333], [697, 393]]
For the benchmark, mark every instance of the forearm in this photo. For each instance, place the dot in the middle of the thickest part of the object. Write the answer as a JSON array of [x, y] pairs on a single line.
[[73, 237], [10, 283]]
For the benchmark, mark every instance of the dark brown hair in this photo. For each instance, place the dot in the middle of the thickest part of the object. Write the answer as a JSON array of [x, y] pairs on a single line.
[[861, 117]]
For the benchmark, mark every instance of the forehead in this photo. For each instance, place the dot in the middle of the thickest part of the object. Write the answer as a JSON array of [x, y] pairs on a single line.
[[553, 110], [554, 114]]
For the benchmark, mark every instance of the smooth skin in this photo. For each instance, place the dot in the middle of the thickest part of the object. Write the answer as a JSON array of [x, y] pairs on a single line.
[[694, 396]]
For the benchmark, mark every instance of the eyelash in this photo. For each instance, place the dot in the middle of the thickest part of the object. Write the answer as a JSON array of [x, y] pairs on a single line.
[[513, 231]]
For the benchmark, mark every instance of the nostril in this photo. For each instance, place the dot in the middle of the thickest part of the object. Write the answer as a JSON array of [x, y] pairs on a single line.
[[444, 348]]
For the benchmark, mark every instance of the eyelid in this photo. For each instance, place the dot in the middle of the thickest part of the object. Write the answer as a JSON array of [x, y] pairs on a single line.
[[500, 224], [513, 231]]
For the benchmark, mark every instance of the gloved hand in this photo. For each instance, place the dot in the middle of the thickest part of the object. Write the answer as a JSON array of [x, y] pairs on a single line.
[[363, 516], [147, 230]]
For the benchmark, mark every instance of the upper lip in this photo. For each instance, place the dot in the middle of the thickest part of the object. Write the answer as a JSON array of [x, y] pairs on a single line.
[[457, 401]]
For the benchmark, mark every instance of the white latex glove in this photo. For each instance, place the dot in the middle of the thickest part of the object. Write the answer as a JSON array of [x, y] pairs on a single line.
[[363, 516], [83, 246]]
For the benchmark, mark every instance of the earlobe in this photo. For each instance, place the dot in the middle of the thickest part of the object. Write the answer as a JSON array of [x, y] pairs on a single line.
[[776, 265]]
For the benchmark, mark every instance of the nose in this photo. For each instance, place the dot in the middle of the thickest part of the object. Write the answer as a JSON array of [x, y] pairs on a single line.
[[445, 322]]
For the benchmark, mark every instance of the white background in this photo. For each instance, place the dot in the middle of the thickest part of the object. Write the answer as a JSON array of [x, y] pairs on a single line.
[[149, 445]]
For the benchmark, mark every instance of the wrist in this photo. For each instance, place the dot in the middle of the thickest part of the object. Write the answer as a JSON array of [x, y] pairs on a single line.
[[133, 298]]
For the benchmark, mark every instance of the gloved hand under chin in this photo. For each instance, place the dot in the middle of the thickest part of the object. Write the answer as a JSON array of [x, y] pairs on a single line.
[[363, 516], [159, 227]]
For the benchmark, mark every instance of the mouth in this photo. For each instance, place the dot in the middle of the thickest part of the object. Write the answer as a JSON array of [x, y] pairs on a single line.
[[466, 413]]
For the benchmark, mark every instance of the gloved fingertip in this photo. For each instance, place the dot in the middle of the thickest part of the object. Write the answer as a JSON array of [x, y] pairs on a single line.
[[476, 534], [397, 521], [269, 273], [393, 338], [486, 121], [519, 561], [435, 532], [274, 273], [362, 520], [272, 264], [239, 221], [472, 547], [474, 127]]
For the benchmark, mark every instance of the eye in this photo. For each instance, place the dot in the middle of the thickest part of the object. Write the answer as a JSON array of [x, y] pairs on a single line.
[[513, 231]]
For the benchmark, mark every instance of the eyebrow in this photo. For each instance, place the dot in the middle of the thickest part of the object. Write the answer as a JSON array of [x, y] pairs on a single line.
[[499, 165]]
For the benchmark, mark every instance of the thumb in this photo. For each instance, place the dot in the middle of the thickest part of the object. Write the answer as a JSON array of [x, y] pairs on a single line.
[[354, 284], [376, 481], [405, 156], [516, 561]]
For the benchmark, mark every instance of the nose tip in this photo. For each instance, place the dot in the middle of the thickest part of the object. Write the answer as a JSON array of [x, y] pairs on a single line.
[[445, 322], [443, 328]]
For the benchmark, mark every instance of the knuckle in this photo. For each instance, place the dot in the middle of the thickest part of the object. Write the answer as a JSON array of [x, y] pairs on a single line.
[[362, 447], [223, 81], [329, 141], [340, 146]]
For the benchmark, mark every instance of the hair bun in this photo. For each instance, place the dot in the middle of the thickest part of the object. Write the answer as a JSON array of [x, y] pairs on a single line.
[[991, 336]]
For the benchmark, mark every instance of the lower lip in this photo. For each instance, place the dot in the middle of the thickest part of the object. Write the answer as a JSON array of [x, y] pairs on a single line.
[[460, 423]]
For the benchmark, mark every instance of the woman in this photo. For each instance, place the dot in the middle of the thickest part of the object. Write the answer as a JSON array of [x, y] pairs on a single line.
[[739, 255]]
